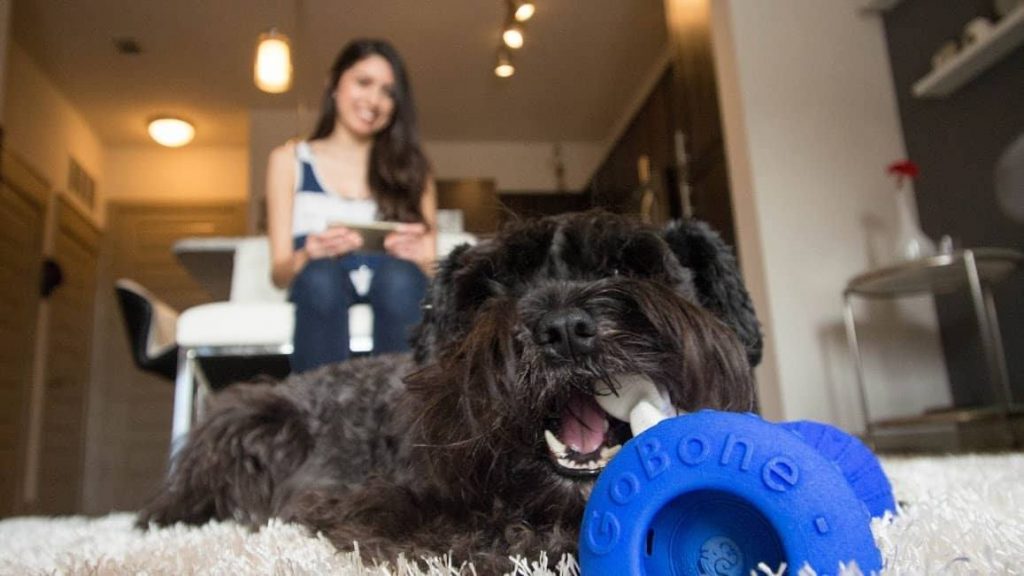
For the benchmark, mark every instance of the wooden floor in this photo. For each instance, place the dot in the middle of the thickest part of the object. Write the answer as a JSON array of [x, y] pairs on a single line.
[[953, 431]]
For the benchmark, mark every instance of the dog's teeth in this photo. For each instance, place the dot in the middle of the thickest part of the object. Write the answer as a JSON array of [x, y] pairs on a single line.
[[609, 452], [556, 447]]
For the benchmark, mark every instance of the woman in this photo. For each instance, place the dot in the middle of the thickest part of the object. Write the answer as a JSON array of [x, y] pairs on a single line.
[[362, 163]]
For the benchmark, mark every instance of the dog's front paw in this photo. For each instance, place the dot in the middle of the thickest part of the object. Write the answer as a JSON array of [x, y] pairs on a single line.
[[172, 507]]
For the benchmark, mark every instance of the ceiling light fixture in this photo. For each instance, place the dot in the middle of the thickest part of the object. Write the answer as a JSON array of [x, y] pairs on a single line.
[[522, 9], [504, 68], [171, 132], [512, 36], [273, 69], [516, 13]]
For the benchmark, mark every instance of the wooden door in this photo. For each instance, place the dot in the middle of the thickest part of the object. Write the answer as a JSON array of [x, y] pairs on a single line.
[[22, 216], [132, 409], [695, 110], [68, 365]]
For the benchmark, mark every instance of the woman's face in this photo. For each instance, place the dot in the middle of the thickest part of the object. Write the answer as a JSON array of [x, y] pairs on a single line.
[[364, 97]]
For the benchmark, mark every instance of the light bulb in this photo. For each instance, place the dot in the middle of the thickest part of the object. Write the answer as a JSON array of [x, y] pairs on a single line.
[[504, 68], [273, 69], [512, 36], [171, 132], [524, 11]]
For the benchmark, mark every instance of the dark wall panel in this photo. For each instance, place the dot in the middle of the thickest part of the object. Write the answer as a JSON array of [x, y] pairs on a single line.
[[956, 141]]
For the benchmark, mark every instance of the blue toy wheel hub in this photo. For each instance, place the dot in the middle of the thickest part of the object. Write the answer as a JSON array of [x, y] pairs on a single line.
[[710, 533]]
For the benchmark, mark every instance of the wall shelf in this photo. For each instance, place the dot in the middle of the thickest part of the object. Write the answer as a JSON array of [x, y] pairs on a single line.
[[1006, 35], [878, 5]]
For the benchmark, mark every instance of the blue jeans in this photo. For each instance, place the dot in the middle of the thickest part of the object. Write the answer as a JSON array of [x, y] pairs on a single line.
[[323, 292]]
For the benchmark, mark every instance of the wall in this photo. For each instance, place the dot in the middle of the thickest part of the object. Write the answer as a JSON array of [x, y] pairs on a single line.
[[956, 141], [151, 172], [146, 173], [518, 166], [267, 130], [43, 128], [810, 123]]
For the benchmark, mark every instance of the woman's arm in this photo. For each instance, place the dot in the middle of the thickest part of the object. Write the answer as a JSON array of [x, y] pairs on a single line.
[[285, 262], [418, 242], [428, 205]]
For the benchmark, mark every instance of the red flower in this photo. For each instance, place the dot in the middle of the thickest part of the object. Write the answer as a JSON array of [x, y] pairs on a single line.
[[903, 169]]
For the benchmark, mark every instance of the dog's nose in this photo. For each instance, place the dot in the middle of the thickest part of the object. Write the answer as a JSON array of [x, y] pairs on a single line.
[[567, 333]]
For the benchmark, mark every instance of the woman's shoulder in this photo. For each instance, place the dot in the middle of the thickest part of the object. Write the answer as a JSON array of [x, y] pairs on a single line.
[[287, 150]]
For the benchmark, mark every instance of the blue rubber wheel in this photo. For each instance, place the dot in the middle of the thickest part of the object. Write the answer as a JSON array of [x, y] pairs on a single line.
[[856, 461], [717, 493]]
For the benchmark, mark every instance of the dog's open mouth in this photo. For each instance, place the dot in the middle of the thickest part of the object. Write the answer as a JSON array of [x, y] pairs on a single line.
[[587, 437], [592, 429]]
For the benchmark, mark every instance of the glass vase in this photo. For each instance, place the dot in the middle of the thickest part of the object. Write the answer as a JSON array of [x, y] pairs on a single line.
[[911, 243]]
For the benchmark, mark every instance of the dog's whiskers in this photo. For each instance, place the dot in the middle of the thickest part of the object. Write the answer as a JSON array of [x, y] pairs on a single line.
[[452, 444]]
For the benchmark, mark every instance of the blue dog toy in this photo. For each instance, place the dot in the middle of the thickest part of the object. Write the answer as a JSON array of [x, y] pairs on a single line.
[[718, 493]]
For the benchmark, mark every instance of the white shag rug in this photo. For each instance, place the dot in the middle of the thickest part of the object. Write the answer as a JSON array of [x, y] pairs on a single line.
[[962, 515]]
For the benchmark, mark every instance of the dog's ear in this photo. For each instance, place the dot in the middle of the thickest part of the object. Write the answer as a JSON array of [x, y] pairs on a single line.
[[717, 280], [437, 306]]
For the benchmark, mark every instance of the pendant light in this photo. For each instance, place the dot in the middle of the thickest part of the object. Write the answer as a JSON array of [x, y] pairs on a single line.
[[273, 69]]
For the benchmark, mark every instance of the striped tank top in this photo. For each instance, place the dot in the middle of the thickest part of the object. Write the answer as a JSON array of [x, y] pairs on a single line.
[[315, 205]]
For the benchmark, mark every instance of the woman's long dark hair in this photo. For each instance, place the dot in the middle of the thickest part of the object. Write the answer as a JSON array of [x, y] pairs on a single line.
[[398, 168]]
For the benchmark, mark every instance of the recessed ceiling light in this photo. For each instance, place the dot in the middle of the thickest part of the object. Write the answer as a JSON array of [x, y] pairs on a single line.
[[171, 132]]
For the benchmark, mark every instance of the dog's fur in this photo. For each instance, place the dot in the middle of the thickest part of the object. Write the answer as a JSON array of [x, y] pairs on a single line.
[[444, 450]]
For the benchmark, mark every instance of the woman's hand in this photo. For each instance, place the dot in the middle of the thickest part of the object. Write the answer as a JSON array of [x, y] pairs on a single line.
[[334, 242], [411, 242]]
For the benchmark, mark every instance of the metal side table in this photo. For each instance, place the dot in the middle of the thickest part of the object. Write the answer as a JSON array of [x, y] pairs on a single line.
[[977, 268]]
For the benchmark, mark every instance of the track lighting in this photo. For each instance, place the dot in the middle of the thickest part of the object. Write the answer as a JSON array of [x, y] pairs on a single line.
[[516, 13]]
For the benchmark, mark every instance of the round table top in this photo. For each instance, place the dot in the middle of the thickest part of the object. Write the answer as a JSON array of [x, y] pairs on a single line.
[[936, 274]]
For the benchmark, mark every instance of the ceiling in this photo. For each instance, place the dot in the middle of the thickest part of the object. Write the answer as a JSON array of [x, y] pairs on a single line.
[[582, 63]]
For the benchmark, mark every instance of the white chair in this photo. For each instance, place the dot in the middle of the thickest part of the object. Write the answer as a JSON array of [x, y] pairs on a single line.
[[257, 322]]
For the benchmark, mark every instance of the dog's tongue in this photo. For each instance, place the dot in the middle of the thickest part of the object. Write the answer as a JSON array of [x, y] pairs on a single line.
[[583, 425]]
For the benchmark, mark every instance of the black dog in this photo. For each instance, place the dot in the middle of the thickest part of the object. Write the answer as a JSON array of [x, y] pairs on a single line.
[[447, 450]]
